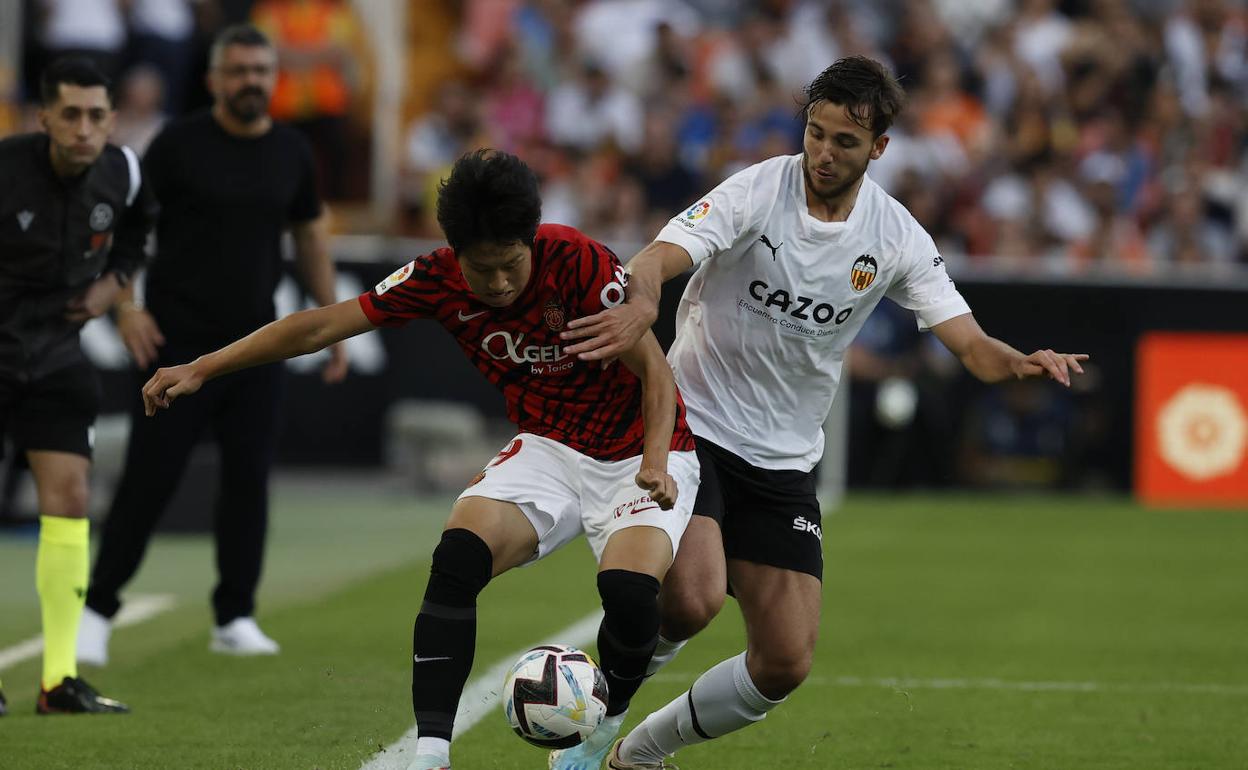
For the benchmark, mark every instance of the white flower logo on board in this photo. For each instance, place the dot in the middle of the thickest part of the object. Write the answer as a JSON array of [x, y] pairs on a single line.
[[1203, 431]]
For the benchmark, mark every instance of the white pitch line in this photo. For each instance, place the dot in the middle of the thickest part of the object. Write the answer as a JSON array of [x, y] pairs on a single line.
[[481, 695], [901, 683], [135, 611]]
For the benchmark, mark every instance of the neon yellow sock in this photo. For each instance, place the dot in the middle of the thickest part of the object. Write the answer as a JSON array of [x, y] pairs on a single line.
[[61, 578]]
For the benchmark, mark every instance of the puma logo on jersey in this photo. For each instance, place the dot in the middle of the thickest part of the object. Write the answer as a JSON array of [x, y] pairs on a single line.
[[799, 307], [767, 243], [802, 524]]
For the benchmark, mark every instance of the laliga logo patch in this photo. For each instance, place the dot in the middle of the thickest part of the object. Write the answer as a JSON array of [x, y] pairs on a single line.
[[696, 213], [101, 217], [396, 278], [862, 275], [553, 315]]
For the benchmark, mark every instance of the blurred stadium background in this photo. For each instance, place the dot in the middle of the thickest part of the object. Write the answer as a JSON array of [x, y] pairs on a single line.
[[1083, 165]]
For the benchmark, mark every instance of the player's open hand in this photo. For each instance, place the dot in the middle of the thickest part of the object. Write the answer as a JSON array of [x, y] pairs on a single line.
[[604, 336], [169, 383], [660, 485], [1056, 366]]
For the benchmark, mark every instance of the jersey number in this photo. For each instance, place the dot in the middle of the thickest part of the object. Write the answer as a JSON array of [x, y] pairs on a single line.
[[507, 453]]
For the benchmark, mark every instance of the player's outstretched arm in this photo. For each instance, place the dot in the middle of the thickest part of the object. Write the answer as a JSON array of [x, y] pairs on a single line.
[[658, 412], [298, 333], [991, 360], [607, 334]]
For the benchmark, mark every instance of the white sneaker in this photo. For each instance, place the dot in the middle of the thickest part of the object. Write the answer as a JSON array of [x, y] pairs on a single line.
[[429, 762], [241, 636], [93, 632]]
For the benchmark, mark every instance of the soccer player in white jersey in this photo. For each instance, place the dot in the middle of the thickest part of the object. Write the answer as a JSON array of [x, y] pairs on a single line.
[[792, 255]]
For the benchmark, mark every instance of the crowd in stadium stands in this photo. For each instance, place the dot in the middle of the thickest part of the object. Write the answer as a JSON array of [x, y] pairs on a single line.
[[1058, 136]]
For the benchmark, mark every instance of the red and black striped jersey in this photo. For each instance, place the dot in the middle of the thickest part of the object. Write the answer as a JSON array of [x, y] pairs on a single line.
[[548, 392]]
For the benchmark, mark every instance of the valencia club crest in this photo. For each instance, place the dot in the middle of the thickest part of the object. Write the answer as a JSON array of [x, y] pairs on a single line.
[[862, 275]]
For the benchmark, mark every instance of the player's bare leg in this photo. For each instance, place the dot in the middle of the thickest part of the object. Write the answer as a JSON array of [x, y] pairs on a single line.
[[633, 564], [483, 538], [781, 609], [693, 592]]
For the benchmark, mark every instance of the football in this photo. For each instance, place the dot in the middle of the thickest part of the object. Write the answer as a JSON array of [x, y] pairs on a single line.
[[554, 696]]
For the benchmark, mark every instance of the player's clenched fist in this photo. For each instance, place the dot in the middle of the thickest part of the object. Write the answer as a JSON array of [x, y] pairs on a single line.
[[167, 384], [660, 485]]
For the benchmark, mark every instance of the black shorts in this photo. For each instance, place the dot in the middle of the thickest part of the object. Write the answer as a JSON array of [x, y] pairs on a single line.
[[766, 516], [54, 413]]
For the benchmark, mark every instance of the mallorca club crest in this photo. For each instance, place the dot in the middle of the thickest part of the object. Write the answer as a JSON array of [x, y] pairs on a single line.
[[553, 315], [862, 274]]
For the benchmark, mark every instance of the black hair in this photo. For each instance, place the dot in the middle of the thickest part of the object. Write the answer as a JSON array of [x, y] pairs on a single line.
[[236, 34], [490, 197], [871, 92], [75, 71]]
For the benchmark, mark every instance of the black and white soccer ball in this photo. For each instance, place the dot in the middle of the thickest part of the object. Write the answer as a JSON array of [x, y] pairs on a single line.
[[555, 696]]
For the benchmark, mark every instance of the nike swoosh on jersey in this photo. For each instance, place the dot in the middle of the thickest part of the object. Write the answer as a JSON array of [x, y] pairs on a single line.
[[463, 317], [418, 659], [640, 510]]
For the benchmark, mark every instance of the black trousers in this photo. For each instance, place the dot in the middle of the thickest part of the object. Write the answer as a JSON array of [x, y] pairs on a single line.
[[241, 412]]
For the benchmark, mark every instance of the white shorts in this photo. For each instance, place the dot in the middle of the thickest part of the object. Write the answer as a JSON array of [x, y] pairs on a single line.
[[564, 493]]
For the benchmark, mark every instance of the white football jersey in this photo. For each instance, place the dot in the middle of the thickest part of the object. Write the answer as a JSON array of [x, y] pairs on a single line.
[[777, 298]]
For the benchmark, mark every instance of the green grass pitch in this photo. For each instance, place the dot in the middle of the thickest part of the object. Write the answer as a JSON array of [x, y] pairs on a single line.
[[958, 632]]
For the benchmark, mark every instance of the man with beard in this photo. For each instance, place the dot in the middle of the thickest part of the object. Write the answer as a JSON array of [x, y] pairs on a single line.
[[229, 182], [792, 255]]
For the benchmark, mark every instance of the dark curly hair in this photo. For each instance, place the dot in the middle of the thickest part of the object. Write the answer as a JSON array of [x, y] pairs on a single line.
[[872, 94], [490, 197]]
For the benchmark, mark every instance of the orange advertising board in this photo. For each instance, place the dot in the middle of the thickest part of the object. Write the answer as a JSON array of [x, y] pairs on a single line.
[[1191, 420]]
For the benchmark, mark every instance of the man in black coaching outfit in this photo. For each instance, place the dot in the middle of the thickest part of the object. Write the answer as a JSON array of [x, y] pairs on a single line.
[[229, 182], [74, 216]]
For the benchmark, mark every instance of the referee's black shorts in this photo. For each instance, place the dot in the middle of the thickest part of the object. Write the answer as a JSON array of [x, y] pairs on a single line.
[[767, 516], [54, 413]]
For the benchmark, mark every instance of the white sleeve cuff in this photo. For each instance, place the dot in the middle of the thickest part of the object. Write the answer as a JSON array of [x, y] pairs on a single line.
[[952, 307], [697, 248]]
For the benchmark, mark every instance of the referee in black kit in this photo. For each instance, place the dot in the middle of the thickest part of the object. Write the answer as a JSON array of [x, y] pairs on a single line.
[[74, 216], [229, 182]]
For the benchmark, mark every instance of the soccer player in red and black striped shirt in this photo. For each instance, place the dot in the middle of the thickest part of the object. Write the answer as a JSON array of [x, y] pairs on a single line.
[[600, 451]]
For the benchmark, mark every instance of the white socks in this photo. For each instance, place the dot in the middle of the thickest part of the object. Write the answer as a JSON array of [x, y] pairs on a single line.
[[722, 700], [663, 655]]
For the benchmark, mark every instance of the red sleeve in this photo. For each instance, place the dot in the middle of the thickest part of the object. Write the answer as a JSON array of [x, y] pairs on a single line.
[[600, 279], [413, 291]]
